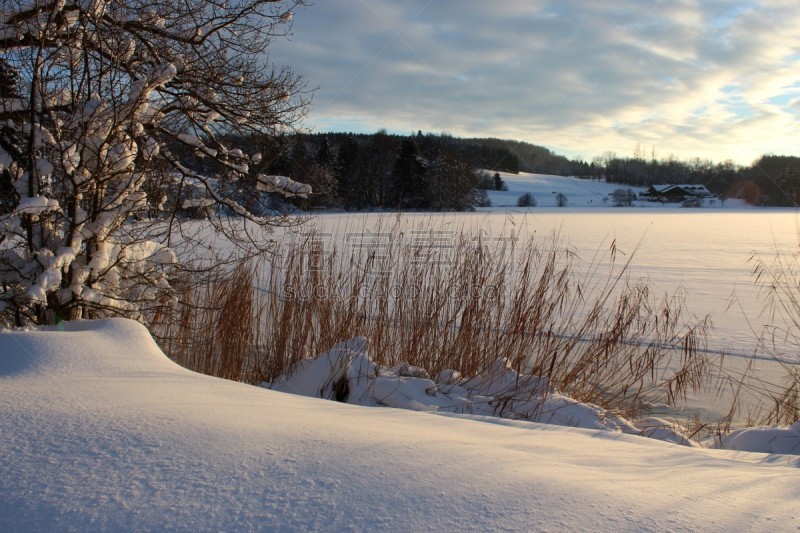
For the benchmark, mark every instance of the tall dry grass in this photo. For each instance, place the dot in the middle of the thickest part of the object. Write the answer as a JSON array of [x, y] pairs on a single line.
[[214, 326], [778, 278], [457, 301], [764, 389]]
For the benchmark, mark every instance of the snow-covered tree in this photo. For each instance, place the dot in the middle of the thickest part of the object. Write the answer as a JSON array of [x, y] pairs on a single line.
[[97, 95]]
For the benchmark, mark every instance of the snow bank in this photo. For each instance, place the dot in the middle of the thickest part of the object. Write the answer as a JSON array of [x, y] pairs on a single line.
[[100, 431], [764, 439], [347, 374]]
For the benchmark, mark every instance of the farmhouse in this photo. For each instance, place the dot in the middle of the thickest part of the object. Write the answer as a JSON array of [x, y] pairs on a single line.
[[677, 193]]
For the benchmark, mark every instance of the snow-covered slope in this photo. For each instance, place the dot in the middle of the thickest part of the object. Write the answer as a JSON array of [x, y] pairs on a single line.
[[99, 431], [579, 193]]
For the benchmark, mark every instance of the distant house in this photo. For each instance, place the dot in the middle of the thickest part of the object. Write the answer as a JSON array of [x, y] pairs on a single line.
[[676, 193]]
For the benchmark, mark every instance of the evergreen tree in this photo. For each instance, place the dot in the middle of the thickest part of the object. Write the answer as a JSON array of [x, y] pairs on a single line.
[[409, 188], [309, 170], [452, 184], [346, 169], [282, 163], [498, 182], [9, 137], [325, 154], [377, 166]]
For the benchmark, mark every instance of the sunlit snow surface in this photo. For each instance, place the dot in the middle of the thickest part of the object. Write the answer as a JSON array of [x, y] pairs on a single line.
[[100, 431]]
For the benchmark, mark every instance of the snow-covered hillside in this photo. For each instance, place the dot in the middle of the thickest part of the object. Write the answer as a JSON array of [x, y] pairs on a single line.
[[579, 193], [100, 431]]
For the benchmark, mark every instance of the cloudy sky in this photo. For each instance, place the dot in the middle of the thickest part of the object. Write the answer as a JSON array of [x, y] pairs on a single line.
[[717, 79]]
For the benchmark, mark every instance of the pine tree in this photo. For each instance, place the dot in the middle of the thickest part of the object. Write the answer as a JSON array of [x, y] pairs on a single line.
[[378, 165], [9, 78], [409, 187], [498, 182], [325, 156], [9, 135], [346, 170], [452, 184]]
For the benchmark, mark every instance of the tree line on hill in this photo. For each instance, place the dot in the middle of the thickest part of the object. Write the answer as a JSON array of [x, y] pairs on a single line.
[[387, 171], [441, 172], [381, 170]]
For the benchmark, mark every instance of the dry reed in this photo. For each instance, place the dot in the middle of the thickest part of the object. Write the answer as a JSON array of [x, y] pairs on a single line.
[[214, 324], [779, 281], [458, 303]]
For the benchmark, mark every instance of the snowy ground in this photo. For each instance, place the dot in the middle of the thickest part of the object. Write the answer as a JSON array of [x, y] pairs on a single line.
[[579, 192], [100, 431]]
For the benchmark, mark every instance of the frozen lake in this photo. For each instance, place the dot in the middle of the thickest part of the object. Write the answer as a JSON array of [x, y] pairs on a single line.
[[708, 254], [705, 253]]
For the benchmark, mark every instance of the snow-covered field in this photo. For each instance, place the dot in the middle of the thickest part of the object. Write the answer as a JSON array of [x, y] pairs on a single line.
[[578, 192], [100, 431]]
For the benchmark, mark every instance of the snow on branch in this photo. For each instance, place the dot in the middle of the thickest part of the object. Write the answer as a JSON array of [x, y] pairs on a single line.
[[36, 206], [283, 185], [95, 95]]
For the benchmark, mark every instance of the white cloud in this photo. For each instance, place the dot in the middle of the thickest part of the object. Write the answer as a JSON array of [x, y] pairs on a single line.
[[714, 78]]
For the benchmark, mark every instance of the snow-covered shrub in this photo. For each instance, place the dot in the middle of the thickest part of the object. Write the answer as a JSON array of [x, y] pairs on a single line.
[[94, 95]]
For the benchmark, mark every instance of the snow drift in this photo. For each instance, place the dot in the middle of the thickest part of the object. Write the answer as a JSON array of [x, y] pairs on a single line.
[[346, 373], [100, 431]]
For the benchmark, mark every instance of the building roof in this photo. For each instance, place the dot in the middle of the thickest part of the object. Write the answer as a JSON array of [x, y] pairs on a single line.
[[697, 190]]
